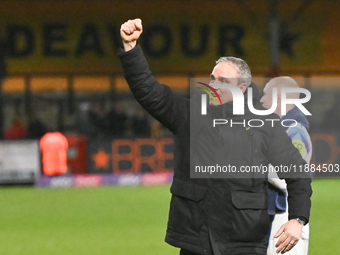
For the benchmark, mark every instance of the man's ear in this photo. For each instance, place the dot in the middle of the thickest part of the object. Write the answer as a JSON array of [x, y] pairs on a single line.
[[243, 87], [278, 97]]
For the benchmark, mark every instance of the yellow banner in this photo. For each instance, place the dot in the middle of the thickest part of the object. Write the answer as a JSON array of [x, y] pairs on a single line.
[[179, 37]]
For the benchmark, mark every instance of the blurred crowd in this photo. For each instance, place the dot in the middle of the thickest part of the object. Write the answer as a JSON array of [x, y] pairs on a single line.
[[34, 129], [117, 121], [92, 119], [127, 119]]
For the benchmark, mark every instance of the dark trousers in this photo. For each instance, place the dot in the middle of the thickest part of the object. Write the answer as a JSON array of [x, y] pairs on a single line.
[[186, 252]]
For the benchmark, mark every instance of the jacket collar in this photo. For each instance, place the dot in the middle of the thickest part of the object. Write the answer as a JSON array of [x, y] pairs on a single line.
[[297, 115]]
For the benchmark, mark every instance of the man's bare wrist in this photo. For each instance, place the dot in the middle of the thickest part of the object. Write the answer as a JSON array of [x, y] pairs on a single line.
[[301, 221], [129, 46]]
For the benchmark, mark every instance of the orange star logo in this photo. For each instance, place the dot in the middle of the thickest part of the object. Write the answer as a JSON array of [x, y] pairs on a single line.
[[101, 159]]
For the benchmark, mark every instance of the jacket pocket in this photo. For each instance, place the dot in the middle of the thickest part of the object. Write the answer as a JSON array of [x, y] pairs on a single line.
[[250, 219], [185, 214]]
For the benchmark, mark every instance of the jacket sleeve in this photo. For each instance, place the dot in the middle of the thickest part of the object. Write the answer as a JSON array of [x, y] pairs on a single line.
[[158, 99], [287, 159]]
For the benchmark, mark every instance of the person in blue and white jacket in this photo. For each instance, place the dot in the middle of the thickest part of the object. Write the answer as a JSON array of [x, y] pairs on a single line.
[[298, 132]]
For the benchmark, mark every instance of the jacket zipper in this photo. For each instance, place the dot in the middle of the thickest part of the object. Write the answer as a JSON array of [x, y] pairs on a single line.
[[254, 150]]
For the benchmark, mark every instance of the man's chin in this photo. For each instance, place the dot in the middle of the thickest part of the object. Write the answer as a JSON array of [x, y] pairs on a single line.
[[213, 103]]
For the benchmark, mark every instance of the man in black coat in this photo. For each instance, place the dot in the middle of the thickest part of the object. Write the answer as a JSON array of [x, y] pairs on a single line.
[[226, 215]]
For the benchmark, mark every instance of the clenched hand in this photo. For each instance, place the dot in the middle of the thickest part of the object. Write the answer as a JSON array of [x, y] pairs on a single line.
[[130, 31]]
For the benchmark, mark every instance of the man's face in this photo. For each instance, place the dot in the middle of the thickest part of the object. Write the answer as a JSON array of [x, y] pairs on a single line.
[[223, 73], [267, 98]]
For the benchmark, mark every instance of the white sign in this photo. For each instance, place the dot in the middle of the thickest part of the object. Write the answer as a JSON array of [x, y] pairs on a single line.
[[19, 161]]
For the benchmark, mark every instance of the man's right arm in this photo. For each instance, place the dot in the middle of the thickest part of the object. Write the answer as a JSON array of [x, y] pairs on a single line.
[[158, 99]]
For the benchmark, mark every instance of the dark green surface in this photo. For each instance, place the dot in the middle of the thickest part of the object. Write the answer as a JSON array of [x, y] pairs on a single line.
[[112, 220], [122, 220]]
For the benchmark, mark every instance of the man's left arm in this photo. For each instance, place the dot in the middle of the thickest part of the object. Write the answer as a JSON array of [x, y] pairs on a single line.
[[283, 153]]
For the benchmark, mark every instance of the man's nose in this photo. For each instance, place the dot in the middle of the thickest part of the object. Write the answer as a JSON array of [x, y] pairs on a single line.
[[214, 88], [212, 84]]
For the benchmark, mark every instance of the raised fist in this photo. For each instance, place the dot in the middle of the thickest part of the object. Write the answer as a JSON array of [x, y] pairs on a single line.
[[130, 32]]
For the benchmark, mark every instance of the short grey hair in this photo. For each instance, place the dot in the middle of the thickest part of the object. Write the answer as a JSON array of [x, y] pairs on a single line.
[[242, 68]]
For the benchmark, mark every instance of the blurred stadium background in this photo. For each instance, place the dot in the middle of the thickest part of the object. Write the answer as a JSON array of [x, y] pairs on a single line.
[[59, 72]]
